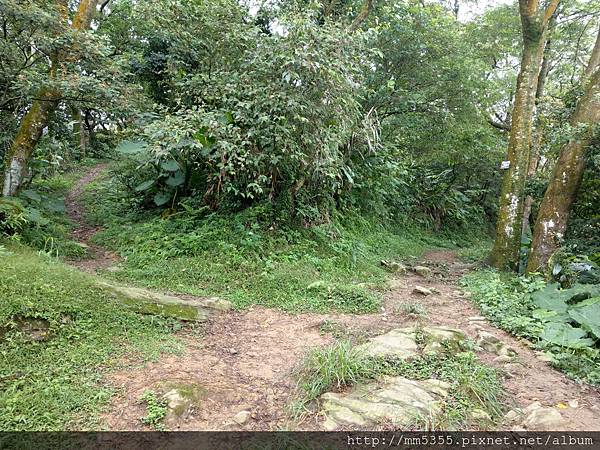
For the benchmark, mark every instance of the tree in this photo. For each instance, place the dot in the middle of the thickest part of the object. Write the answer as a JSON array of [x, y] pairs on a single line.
[[560, 194], [36, 119], [534, 24]]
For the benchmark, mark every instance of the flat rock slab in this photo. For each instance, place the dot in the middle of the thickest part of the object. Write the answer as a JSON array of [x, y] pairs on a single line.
[[399, 344], [149, 302], [394, 400]]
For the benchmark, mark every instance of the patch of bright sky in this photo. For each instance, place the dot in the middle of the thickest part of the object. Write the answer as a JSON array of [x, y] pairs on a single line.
[[468, 10]]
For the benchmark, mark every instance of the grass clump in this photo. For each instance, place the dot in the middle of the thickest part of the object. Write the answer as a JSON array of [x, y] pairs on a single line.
[[55, 384], [412, 309], [156, 410], [333, 367]]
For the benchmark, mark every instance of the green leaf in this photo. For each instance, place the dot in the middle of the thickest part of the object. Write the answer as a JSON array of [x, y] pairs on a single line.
[[55, 205], [32, 195], [144, 186], [162, 198], [550, 298], [176, 179], [587, 314], [35, 216], [131, 147], [169, 166], [565, 335], [549, 316]]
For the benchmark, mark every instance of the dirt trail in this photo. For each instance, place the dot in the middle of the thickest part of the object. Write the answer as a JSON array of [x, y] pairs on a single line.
[[244, 361], [97, 257]]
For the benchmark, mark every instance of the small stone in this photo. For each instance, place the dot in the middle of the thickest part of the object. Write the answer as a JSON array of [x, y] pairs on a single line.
[[114, 269], [479, 416], [505, 350], [511, 416], [242, 417], [574, 403], [423, 271], [476, 319], [503, 359], [542, 356], [233, 351], [394, 266], [422, 290], [533, 407], [543, 419]]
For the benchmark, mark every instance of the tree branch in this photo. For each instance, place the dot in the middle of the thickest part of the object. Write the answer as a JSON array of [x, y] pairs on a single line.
[[362, 15]]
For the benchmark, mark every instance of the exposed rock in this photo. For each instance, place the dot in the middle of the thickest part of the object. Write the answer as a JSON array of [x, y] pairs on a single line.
[[480, 417], [476, 319], [114, 269], [492, 344], [443, 339], [543, 356], [513, 369], [532, 407], [512, 415], [504, 359], [393, 266], [423, 271], [181, 398], [544, 419], [149, 302], [396, 400], [242, 417], [422, 290], [399, 343]]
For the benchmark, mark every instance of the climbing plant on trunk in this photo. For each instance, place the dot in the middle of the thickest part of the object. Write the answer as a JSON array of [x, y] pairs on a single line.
[[534, 23], [551, 222], [36, 119]]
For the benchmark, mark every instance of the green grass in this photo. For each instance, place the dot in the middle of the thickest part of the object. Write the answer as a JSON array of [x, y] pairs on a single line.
[[57, 384], [473, 384], [251, 258], [156, 410]]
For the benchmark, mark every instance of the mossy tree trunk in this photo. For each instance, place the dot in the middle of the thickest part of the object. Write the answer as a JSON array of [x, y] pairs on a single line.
[[551, 222], [505, 254], [36, 119]]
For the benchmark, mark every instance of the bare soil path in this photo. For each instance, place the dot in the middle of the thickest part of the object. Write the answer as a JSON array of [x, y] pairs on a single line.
[[97, 257], [244, 361]]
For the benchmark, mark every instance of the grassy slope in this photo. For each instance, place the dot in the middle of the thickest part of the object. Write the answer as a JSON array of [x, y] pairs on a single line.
[[324, 268], [56, 385]]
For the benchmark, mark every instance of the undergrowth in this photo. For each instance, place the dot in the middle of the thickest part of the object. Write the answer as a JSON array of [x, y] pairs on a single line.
[[55, 384], [506, 300], [252, 256]]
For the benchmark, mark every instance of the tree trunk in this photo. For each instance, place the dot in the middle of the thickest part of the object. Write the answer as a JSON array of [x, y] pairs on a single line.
[[555, 208], [505, 254], [36, 119]]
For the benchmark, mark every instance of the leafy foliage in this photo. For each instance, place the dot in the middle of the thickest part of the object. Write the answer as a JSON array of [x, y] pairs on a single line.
[[562, 321]]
